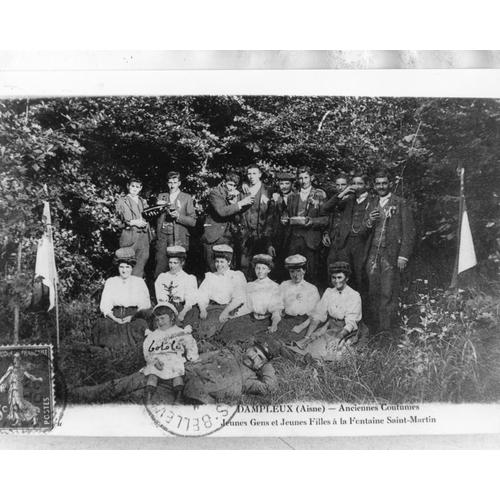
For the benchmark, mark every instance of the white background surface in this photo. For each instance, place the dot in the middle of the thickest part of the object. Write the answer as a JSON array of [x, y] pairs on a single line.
[[253, 25]]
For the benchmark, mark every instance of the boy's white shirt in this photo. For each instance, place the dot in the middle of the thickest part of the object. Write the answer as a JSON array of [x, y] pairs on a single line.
[[171, 348]]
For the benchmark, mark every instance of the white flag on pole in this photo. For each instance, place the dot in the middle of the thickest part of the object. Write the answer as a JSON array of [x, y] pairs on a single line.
[[45, 266], [466, 252]]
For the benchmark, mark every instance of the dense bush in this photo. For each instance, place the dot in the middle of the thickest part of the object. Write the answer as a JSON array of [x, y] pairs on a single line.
[[451, 354], [78, 152]]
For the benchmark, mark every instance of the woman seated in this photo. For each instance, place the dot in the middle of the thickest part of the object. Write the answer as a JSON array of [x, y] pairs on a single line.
[[261, 311], [177, 287], [339, 314], [122, 298], [299, 299], [220, 294]]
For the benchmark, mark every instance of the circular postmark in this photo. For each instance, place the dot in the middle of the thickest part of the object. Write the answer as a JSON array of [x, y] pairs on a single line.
[[191, 420]]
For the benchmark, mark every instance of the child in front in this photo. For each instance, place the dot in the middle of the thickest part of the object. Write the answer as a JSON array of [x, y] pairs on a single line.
[[166, 349]]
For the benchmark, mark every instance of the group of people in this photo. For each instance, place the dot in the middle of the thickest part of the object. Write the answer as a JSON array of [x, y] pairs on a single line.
[[253, 239]]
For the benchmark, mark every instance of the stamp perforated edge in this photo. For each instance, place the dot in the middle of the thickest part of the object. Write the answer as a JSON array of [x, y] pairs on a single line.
[[50, 355]]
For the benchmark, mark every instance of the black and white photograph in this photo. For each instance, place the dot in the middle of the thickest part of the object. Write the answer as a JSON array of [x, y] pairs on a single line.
[[261, 248]]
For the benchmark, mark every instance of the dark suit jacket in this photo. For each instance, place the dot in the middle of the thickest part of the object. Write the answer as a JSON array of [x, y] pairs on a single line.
[[220, 214], [399, 229], [345, 221], [186, 219], [257, 220], [126, 211], [314, 204], [279, 232]]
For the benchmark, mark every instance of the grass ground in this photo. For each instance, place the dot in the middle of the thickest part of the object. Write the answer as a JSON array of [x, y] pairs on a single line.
[[447, 350]]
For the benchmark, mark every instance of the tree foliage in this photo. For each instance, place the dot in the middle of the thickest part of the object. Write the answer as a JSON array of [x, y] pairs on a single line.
[[84, 149]]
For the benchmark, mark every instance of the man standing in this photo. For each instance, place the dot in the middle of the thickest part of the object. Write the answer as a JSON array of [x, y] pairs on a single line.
[[350, 238], [281, 219], [223, 206], [306, 224], [173, 224], [392, 229], [331, 206], [136, 232], [255, 224]]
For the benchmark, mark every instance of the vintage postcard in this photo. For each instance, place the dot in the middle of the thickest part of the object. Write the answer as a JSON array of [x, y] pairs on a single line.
[[270, 253]]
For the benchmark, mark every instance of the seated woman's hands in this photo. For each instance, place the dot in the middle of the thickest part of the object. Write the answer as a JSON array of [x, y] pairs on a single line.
[[120, 321], [224, 316], [203, 313]]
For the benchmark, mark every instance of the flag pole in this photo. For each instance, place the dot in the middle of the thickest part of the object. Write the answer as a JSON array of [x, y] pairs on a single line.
[[454, 280], [56, 293], [16, 306], [57, 313]]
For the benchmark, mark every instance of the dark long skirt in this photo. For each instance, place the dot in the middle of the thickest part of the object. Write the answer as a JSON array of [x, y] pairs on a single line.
[[285, 327], [328, 347], [246, 330], [206, 328], [129, 336]]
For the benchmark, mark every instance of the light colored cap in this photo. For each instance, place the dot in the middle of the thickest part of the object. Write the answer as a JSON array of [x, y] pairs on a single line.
[[176, 251], [262, 258], [126, 254], [295, 261], [222, 249]]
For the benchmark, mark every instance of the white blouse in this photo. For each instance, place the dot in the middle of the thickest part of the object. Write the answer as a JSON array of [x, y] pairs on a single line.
[[262, 297], [184, 288], [126, 293], [171, 348], [222, 288], [299, 298], [345, 305]]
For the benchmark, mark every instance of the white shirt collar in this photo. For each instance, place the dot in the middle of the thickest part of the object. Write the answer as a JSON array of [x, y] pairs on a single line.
[[362, 197], [173, 196], [255, 188], [304, 193]]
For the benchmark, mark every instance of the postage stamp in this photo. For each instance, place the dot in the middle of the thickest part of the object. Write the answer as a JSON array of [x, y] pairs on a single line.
[[26, 388]]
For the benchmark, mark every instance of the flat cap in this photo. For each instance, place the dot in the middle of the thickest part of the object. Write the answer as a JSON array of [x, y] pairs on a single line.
[[176, 251], [295, 261], [262, 258], [125, 254], [222, 249], [340, 267], [286, 176]]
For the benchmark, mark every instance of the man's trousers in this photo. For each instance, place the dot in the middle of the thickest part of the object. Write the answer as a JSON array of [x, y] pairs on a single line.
[[383, 289], [141, 249], [353, 252], [164, 241]]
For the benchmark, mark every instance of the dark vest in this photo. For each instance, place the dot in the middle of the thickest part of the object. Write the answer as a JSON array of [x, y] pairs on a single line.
[[358, 215]]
